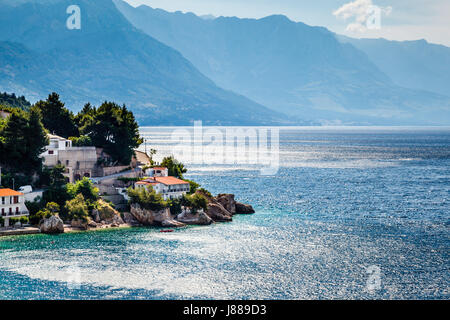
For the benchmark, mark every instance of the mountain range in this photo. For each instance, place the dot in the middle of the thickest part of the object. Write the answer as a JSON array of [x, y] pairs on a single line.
[[109, 59], [173, 67], [298, 69]]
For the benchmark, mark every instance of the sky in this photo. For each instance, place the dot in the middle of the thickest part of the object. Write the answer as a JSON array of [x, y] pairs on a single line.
[[390, 19]]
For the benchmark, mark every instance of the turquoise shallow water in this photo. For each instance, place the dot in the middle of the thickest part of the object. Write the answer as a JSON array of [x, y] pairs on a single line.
[[343, 200]]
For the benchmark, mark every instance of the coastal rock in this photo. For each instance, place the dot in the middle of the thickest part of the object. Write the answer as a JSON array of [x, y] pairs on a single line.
[[52, 225], [172, 224], [151, 218], [228, 202], [218, 213], [80, 224], [242, 208], [96, 216], [130, 219], [107, 213], [200, 218], [92, 224]]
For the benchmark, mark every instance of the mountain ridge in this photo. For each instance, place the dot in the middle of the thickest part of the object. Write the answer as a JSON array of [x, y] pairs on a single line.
[[109, 59], [291, 67]]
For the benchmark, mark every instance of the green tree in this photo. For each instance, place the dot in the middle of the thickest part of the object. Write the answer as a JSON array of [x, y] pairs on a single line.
[[174, 167], [195, 202], [77, 209], [193, 186], [36, 139], [57, 189], [84, 187], [57, 119], [22, 140], [147, 198], [81, 141], [112, 128]]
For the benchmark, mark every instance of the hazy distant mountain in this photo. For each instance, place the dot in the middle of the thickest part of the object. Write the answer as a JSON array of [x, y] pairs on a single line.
[[411, 64], [109, 59], [291, 67]]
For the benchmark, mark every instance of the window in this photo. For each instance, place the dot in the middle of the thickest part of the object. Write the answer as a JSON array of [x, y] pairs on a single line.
[[67, 162], [3, 200], [16, 199], [17, 210], [10, 211], [3, 211], [50, 151]]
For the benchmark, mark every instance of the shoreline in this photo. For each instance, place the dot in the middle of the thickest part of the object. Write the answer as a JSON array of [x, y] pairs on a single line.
[[67, 229]]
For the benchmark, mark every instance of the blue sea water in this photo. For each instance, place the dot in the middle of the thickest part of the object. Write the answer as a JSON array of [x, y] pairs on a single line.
[[345, 202]]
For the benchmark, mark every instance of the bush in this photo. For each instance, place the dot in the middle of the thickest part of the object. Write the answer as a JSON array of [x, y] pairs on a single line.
[[193, 186], [147, 198], [205, 192], [175, 206], [51, 209], [82, 141], [84, 187], [77, 209], [195, 202], [33, 208]]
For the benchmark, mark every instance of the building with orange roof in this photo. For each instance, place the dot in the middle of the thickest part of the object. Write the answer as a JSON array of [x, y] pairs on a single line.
[[157, 172], [12, 205], [169, 187]]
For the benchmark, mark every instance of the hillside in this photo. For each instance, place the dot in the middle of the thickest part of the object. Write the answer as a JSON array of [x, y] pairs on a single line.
[[291, 67], [411, 64], [109, 59]]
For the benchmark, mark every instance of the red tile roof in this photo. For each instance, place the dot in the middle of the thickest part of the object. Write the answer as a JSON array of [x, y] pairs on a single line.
[[9, 193], [168, 181]]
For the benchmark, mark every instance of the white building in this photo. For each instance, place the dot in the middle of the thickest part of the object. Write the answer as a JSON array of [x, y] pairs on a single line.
[[79, 161], [157, 172], [12, 205], [168, 187]]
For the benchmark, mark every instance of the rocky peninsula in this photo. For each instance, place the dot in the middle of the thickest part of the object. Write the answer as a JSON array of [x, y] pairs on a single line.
[[220, 208]]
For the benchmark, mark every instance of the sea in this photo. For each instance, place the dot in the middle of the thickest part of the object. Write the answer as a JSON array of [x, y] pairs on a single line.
[[346, 213]]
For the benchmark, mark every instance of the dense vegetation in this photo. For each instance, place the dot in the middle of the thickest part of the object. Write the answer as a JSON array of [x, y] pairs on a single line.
[[22, 140], [69, 201], [175, 168], [111, 127], [148, 199], [23, 134], [12, 101]]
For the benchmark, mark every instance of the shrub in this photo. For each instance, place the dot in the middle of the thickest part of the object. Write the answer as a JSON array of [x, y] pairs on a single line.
[[175, 206], [77, 209], [205, 192], [84, 187], [195, 202], [193, 186], [147, 198], [82, 141]]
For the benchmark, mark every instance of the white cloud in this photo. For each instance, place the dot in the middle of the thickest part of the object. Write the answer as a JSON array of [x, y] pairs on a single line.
[[366, 15]]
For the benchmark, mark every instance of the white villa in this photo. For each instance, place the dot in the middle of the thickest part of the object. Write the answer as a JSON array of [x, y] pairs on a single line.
[[79, 161], [12, 205], [168, 187]]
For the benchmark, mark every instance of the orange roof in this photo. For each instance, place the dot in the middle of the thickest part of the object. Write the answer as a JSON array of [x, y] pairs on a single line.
[[9, 193], [147, 182], [168, 181], [159, 168]]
